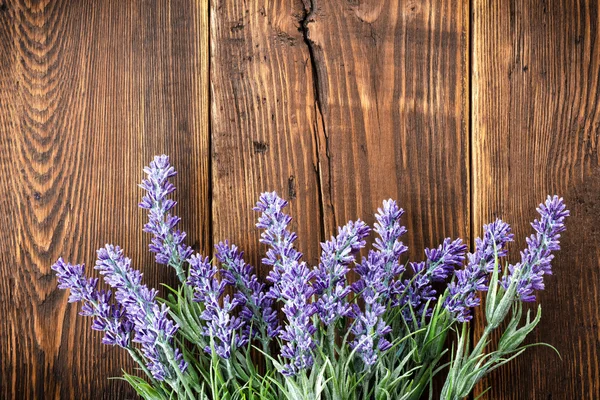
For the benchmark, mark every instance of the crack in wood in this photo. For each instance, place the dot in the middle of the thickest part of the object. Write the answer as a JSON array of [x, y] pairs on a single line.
[[310, 7]]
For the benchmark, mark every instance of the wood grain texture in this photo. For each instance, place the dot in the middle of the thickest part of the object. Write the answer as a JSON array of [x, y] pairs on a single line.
[[336, 105], [392, 85], [263, 122], [392, 93], [89, 91], [339, 125], [536, 129]]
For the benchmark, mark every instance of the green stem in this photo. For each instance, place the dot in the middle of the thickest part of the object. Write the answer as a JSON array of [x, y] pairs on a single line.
[[482, 341], [421, 382], [180, 377], [177, 264], [136, 357], [331, 340], [265, 348], [180, 273], [230, 371]]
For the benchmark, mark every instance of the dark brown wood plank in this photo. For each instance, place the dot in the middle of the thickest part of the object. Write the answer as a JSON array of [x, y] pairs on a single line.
[[338, 106], [392, 92], [89, 92], [263, 122], [536, 124], [392, 83]]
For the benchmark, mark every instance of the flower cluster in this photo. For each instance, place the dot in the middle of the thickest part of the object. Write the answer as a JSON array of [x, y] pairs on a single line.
[[167, 242], [536, 258], [296, 292], [330, 276], [109, 318], [153, 329], [378, 273], [418, 292], [291, 283], [257, 312], [275, 234], [221, 326], [474, 277], [198, 339], [388, 244]]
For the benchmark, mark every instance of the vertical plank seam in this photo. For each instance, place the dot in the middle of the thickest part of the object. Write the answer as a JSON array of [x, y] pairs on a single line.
[[210, 191], [470, 130]]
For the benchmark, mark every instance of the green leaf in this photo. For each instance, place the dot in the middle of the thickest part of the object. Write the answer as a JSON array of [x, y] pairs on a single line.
[[143, 388], [490, 302]]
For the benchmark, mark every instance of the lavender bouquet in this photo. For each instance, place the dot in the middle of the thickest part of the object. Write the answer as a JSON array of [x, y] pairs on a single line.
[[385, 336]]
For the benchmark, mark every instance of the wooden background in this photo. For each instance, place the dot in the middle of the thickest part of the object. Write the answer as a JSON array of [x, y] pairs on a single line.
[[461, 110]]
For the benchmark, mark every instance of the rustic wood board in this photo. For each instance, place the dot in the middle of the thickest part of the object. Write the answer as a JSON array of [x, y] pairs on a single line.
[[297, 110], [463, 111], [263, 123], [89, 92], [535, 126], [392, 94]]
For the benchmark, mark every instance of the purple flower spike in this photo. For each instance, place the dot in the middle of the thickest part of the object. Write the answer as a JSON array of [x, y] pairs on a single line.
[[330, 275], [414, 294], [474, 278], [108, 318], [369, 328], [291, 283], [257, 311], [221, 325], [536, 258], [167, 242], [377, 284], [369, 332], [497, 233], [153, 329], [276, 235], [382, 267], [389, 229], [295, 293], [442, 261]]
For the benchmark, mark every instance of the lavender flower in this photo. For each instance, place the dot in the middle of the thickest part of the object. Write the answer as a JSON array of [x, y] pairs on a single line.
[[474, 278], [536, 259], [369, 332], [167, 242], [383, 267], [291, 283], [378, 273], [442, 261], [108, 318], [330, 276], [221, 326], [369, 328], [295, 294], [414, 294], [388, 243], [153, 329], [277, 237], [257, 310]]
